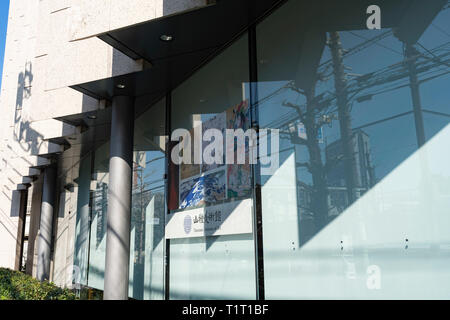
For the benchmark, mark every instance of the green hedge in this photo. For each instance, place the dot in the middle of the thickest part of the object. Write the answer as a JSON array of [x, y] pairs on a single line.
[[16, 285]]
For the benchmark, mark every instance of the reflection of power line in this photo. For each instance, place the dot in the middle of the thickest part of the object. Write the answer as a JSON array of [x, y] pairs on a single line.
[[435, 58], [441, 30], [376, 42], [436, 113], [396, 72], [358, 48], [385, 76], [382, 120]]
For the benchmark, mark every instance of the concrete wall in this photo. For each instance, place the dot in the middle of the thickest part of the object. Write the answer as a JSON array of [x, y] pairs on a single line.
[[94, 17]]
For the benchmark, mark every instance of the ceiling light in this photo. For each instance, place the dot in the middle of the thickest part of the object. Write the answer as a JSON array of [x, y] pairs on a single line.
[[166, 38], [92, 117], [121, 86]]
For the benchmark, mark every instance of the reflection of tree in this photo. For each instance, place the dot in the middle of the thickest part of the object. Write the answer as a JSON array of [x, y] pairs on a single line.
[[327, 106], [313, 117]]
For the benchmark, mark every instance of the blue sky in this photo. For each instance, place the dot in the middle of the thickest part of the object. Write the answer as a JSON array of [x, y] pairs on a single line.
[[4, 7]]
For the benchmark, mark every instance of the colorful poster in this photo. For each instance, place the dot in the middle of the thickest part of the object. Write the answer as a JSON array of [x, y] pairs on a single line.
[[215, 186], [190, 193], [218, 122], [207, 184], [238, 117], [190, 170], [205, 189], [239, 175], [239, 180]]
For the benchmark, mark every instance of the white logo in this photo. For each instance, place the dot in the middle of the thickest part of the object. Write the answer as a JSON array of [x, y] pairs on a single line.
[[237, 150], [374, 21]]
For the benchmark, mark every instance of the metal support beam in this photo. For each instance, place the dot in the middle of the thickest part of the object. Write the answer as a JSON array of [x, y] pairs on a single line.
[[119, 199], [256, 168], [46, 225]]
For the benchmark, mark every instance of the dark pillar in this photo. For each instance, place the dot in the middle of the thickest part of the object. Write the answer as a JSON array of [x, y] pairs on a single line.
[[343, 105], [21, 230], [411, 56], [46, 225], [119, 199]]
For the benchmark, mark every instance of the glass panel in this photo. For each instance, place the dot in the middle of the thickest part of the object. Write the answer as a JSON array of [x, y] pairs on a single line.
[[213, 264], [357, 208], [99, 209], [148, 206], [147, 216], [81, 250]]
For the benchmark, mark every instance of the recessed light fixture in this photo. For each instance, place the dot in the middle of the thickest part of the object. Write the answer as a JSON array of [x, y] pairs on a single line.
[[92, 117], [121, 86], [166, 38]]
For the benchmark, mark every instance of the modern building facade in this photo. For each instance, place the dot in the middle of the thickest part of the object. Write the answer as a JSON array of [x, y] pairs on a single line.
[[348, 197]]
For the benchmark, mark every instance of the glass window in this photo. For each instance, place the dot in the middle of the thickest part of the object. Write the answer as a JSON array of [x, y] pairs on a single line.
[[210, 221], [357, 207], [148, 205], [81, 243], [98, 218]]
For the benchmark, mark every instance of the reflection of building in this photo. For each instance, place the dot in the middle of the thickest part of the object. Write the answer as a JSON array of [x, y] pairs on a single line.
[[336, 184], [365, 175], [99, 208], [364, 171]]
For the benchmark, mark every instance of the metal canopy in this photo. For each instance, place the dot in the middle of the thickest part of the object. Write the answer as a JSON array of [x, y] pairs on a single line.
[[197, 35], [201, 33]]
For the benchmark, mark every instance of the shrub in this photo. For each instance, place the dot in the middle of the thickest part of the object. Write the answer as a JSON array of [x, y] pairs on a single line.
[[15, 285]]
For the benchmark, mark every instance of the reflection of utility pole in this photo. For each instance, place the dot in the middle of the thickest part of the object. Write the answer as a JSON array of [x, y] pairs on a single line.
[[411, 57], [340, 82], [320, 192], [312, 121]]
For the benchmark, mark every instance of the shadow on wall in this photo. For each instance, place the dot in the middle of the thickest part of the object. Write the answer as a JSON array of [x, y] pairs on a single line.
[[28, 139]]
